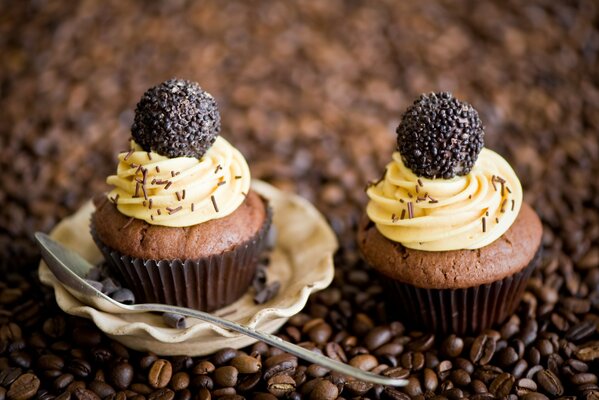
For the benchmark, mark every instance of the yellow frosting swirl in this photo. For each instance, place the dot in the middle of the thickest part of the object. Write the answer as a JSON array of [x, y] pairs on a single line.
[[180, 191], [465, 212]]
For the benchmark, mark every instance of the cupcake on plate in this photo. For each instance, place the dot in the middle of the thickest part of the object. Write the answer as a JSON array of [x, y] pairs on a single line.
[[181, 225], [445, 226]]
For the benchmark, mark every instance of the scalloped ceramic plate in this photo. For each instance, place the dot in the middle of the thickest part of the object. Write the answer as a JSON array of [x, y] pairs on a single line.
[[302, 261]]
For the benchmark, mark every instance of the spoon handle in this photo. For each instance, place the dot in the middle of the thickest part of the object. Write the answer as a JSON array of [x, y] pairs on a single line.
[[275, 341]]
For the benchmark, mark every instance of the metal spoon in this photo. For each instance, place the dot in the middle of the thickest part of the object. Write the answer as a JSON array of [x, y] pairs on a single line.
[[69, 268]]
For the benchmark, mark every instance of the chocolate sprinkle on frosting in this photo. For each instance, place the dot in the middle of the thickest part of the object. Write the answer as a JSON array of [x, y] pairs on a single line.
[[214, 203], [176, 119], [440, 136]]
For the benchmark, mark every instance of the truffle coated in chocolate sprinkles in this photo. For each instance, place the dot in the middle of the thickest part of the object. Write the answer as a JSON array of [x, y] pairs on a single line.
[[176, 118], [440, 136]]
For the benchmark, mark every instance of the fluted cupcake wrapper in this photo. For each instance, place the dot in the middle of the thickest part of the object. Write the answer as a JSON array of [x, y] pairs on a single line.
[[206, 284], [460, 311]]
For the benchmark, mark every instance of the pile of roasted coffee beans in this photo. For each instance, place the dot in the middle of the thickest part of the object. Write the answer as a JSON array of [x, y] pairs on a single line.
[[311, 93]]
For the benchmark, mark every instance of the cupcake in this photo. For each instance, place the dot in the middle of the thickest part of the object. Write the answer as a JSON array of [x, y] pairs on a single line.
[[181, 224], [445, 226]]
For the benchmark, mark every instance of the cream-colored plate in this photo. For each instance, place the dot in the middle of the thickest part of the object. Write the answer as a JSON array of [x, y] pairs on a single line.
[[302, 261]]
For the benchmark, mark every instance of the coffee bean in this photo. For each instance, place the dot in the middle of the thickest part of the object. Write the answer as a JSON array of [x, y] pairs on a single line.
[[20, 358], [397, 372], [324, 390], [101, 355], [282, 363], [534, 396], [226, 376], [358, 388], [160, 373], [413, 361], [528, 334], [413, 387], [184, 394], [75, 385], [422, 344], [584, 378], [577, 365], [394, 394], [203, 382], [320, 333], [581, 331], [487, 373], [162, 394], [577, 306], [102, 389], [79, 368], [147, 361], [524, 386], [452, 346], [482, 349], [454, 393], [533, 371], [226, 393], [377, 337], [63, 381], [66, 396], [24, 387], [482, 396], [464, 364], [55, 327], [365, 362], [141, 388], [248, 382], [50, 361], [121, 375], [549, 382], [204, 367], [478, 386], [502, 385], [507, 356], [280, 385], [588, 352], [317, 371], [203, 394], [519, 368], [84, 394], [180, 381], [460, 377], [545, 347], [223, 356], [246, 364], [430, 380], [335, 351]]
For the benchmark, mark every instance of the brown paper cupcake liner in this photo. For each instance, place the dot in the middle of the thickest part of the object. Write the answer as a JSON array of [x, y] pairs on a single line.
[[206, 284], [460, 311]]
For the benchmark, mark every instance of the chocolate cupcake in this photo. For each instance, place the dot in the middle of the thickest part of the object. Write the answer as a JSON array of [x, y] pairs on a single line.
[[181, 225], [446, 227]]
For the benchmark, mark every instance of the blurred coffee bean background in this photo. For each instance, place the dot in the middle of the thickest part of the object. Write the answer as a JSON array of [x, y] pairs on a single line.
[[310, 91]]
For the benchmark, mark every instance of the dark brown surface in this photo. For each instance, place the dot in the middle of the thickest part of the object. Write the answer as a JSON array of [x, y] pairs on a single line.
[[506, 256], [139, 239], [310, 92]]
